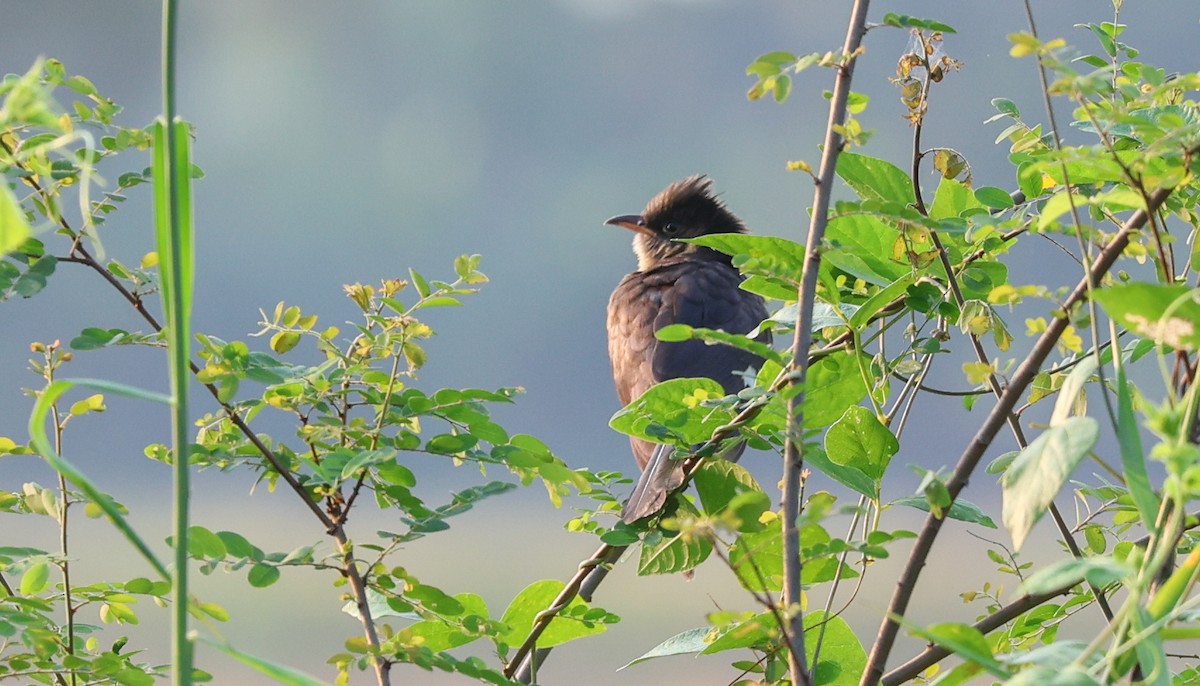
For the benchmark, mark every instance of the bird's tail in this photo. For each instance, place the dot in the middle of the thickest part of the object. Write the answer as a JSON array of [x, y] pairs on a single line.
[[661, 476]]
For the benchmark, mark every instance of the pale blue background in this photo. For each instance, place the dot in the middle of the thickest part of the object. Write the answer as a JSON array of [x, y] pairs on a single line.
[[349, 141]]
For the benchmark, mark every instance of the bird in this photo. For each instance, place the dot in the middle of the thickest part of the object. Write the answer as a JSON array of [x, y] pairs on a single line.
[[677, 283]]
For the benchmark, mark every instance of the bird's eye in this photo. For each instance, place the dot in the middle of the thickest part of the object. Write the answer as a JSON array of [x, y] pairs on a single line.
[[671, 229]]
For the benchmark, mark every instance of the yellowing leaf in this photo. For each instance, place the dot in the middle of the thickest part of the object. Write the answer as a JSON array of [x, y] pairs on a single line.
[[94, 403], [977, 372], [13, 227], [283, 341], [1071, 340]]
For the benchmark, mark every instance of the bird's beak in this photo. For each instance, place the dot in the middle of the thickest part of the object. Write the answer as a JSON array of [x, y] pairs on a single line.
[[633, 222]]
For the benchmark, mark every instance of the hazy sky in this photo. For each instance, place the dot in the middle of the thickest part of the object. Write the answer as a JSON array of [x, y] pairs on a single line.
[[349, 141]]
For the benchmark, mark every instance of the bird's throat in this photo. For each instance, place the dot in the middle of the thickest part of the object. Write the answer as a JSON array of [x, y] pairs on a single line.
[[652, 251]]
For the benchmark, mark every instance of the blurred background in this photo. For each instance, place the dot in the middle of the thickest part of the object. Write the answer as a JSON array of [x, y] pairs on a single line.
[[347, 142]]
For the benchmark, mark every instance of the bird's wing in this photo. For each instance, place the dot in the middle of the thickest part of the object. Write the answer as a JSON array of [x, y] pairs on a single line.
[[706, 294], [701, 294], [632, 310]]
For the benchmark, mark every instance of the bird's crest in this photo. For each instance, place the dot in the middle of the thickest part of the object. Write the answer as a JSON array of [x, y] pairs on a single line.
[[692, 196]]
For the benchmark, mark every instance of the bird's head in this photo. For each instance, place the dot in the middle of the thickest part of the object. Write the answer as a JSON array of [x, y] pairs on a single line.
[[685, 209]]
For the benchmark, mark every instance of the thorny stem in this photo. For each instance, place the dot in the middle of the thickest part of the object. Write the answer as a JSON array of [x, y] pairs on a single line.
[[793, 456], [983, 438], [359, 588]]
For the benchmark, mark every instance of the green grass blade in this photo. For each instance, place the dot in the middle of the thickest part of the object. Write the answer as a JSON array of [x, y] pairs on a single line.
[[181, 172], [41, 443], [1133, 460], [278, 672], [173, 229]]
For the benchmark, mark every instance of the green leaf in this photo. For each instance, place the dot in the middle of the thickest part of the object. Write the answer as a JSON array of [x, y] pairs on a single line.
[[966, 642], [854, 479], [533, 599], [1151, 653], [953, 197], [1166, 314], [1039, 472], [370, 458], [842, 656], [451, 444], [1042, 675], [1133, 459], [758, 631], [757, 559], [1029, 178], [33, 279], [14, 229], [833, 384], [419, 282], [437, 635], [284, 341], [961, 510], [994, 198], [434, 598], [665, 552], [860, 441], [1006, 106], [212, 610], [879, 300], [783, 87], [861, 246], [1115, 200], [675, 404], [875, 179], [687, 642], [438, 301], [760, 255], [92, 403], [378, 606], [674, 333], [718, 481], [906, 22], [203, 543], [739, 341], [263, 575], [36, 578], [1099, 571]]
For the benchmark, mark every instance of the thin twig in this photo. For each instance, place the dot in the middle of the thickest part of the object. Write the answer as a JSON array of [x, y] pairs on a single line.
[[934, 653], [359, 588], [604, 554]]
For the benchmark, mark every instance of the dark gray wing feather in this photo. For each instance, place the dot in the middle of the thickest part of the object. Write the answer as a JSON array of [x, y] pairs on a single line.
[[701, 293]]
